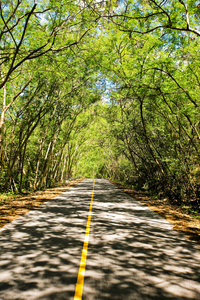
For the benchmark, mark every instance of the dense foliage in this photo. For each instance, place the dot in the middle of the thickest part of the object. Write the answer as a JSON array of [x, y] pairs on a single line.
[[101, 88]]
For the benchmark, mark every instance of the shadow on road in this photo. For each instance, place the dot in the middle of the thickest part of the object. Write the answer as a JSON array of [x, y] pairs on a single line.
[[133, 253], [40, 252]]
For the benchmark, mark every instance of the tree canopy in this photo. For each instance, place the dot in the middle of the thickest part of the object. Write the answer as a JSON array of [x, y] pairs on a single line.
[[103, 89]]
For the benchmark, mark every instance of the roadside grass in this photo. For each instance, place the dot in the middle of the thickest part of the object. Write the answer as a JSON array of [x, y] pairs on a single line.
[[6, 197]]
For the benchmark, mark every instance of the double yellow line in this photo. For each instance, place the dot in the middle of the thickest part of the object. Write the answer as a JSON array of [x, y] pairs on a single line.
[[81, 272]]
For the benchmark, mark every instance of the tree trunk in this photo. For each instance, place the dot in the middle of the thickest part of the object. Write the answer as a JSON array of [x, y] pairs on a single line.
[[148, 142], [22, 167]]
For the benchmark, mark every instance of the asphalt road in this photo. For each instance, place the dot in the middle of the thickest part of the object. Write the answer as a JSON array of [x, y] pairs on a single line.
[[133, 253]]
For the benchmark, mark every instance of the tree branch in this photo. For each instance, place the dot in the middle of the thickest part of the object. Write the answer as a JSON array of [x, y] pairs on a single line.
[[18, 94], [11, 69]]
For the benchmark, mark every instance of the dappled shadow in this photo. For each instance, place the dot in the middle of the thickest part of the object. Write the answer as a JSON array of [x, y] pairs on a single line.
[[182, 219], [40, 252], [11, 208], [133, 254]]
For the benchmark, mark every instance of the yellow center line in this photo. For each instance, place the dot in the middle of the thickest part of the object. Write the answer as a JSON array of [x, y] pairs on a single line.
[[81, 272]]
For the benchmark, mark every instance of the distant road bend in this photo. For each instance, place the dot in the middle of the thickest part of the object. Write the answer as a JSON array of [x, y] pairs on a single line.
[[132, 253]]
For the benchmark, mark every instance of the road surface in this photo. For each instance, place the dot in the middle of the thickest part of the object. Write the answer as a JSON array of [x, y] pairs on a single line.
[[133, 253]]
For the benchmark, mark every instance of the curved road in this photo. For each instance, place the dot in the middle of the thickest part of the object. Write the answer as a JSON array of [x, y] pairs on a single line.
[[133, 253]]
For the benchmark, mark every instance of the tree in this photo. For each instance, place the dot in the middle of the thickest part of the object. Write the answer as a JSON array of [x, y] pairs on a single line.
[[158, 17], [141, 58], [30, 31]]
